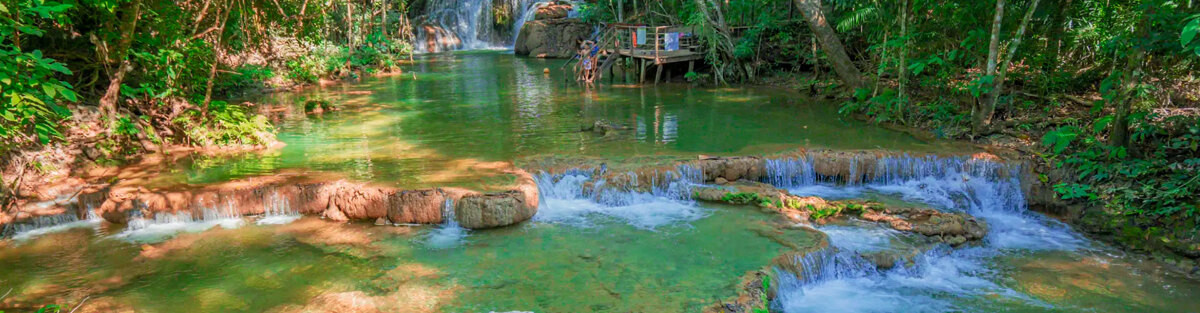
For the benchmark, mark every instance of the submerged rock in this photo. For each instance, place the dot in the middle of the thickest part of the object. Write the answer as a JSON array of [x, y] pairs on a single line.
[[754, 294]]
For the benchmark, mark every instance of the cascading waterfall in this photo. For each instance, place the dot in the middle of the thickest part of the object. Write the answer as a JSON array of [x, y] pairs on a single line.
[[277, 210], [468, 25], [840, 278], [49, 224], [527, 15], [572, 197], [528, 10], [449, 234], [165, 225]]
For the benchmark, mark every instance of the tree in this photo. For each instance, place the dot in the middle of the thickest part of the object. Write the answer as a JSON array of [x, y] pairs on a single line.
[[983, 115], [828, 38], [120, 57]]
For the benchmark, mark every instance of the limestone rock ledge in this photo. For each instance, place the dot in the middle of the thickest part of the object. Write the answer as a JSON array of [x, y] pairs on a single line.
[[337, 200]]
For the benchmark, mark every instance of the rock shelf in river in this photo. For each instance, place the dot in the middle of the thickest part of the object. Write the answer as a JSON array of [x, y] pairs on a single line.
[[741, 179], [337, 200]]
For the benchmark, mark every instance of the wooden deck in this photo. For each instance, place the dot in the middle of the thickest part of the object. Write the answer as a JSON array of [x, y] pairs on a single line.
[[623, 42], [620, 41]]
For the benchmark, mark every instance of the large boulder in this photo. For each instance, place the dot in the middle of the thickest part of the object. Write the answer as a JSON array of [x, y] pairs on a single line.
[[493, 210], [552, 11], [553, 38]]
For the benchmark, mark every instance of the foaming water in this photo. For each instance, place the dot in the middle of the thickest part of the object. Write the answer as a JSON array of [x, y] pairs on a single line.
[[449, 234], [166, 225], [278, 211], [860, 239], [827, 191], [569, 199], [43, 225], [941, 279], [468, 24]]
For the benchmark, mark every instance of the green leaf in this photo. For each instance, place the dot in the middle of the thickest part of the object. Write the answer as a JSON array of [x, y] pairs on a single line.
[[1102, 123], [30, 30], [68, 94], [1189, 32]]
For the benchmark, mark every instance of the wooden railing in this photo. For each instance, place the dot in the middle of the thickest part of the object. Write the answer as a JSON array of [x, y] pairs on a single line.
[[655, 46]]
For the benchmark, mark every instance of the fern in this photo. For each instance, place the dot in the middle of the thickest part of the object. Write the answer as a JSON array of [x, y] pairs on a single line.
[[856, 18]]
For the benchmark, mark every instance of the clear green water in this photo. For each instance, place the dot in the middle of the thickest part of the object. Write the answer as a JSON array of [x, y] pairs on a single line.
[[447, 126], [438, 121], [542, 267]]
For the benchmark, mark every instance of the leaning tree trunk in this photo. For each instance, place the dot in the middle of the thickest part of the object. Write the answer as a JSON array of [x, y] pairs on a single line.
[[108, 102], [984, 116], [811, 9]]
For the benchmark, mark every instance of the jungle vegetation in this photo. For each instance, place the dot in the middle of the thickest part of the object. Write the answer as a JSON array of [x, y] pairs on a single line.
[[1103, 94]]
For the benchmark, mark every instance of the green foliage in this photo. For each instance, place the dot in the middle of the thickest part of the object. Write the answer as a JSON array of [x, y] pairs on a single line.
[[740, 197], [886, 106], [823, 212], [227, 124], [52, 308], [247, 76], [1188, 35], [595, 13], [766, 285], [1058, 139], [1158, 188], [30, 89]]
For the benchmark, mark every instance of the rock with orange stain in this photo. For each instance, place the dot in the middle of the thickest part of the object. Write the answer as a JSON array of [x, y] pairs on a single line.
[[335, 199]]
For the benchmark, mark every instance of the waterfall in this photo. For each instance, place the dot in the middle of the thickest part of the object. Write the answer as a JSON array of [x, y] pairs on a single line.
[[527, 15], [575, 196], [165, 225], [277, 210], [42, 225], [449, 234], [469, 24], [841, 279]]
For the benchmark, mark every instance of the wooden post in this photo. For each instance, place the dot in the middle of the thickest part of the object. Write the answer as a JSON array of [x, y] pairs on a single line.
[[658, 73], [691, 65], [642, 72]]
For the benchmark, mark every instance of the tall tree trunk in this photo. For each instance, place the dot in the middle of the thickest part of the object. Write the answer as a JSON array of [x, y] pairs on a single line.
[[128, 26], [811, 9], [1055, 34], [903, 69], [620, 11], [994, 43], [212, 73], [984, 118], [350, 23], [1130, 76]]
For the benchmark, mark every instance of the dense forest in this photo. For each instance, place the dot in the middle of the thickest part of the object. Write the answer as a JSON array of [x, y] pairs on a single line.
[[1102, 94]]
